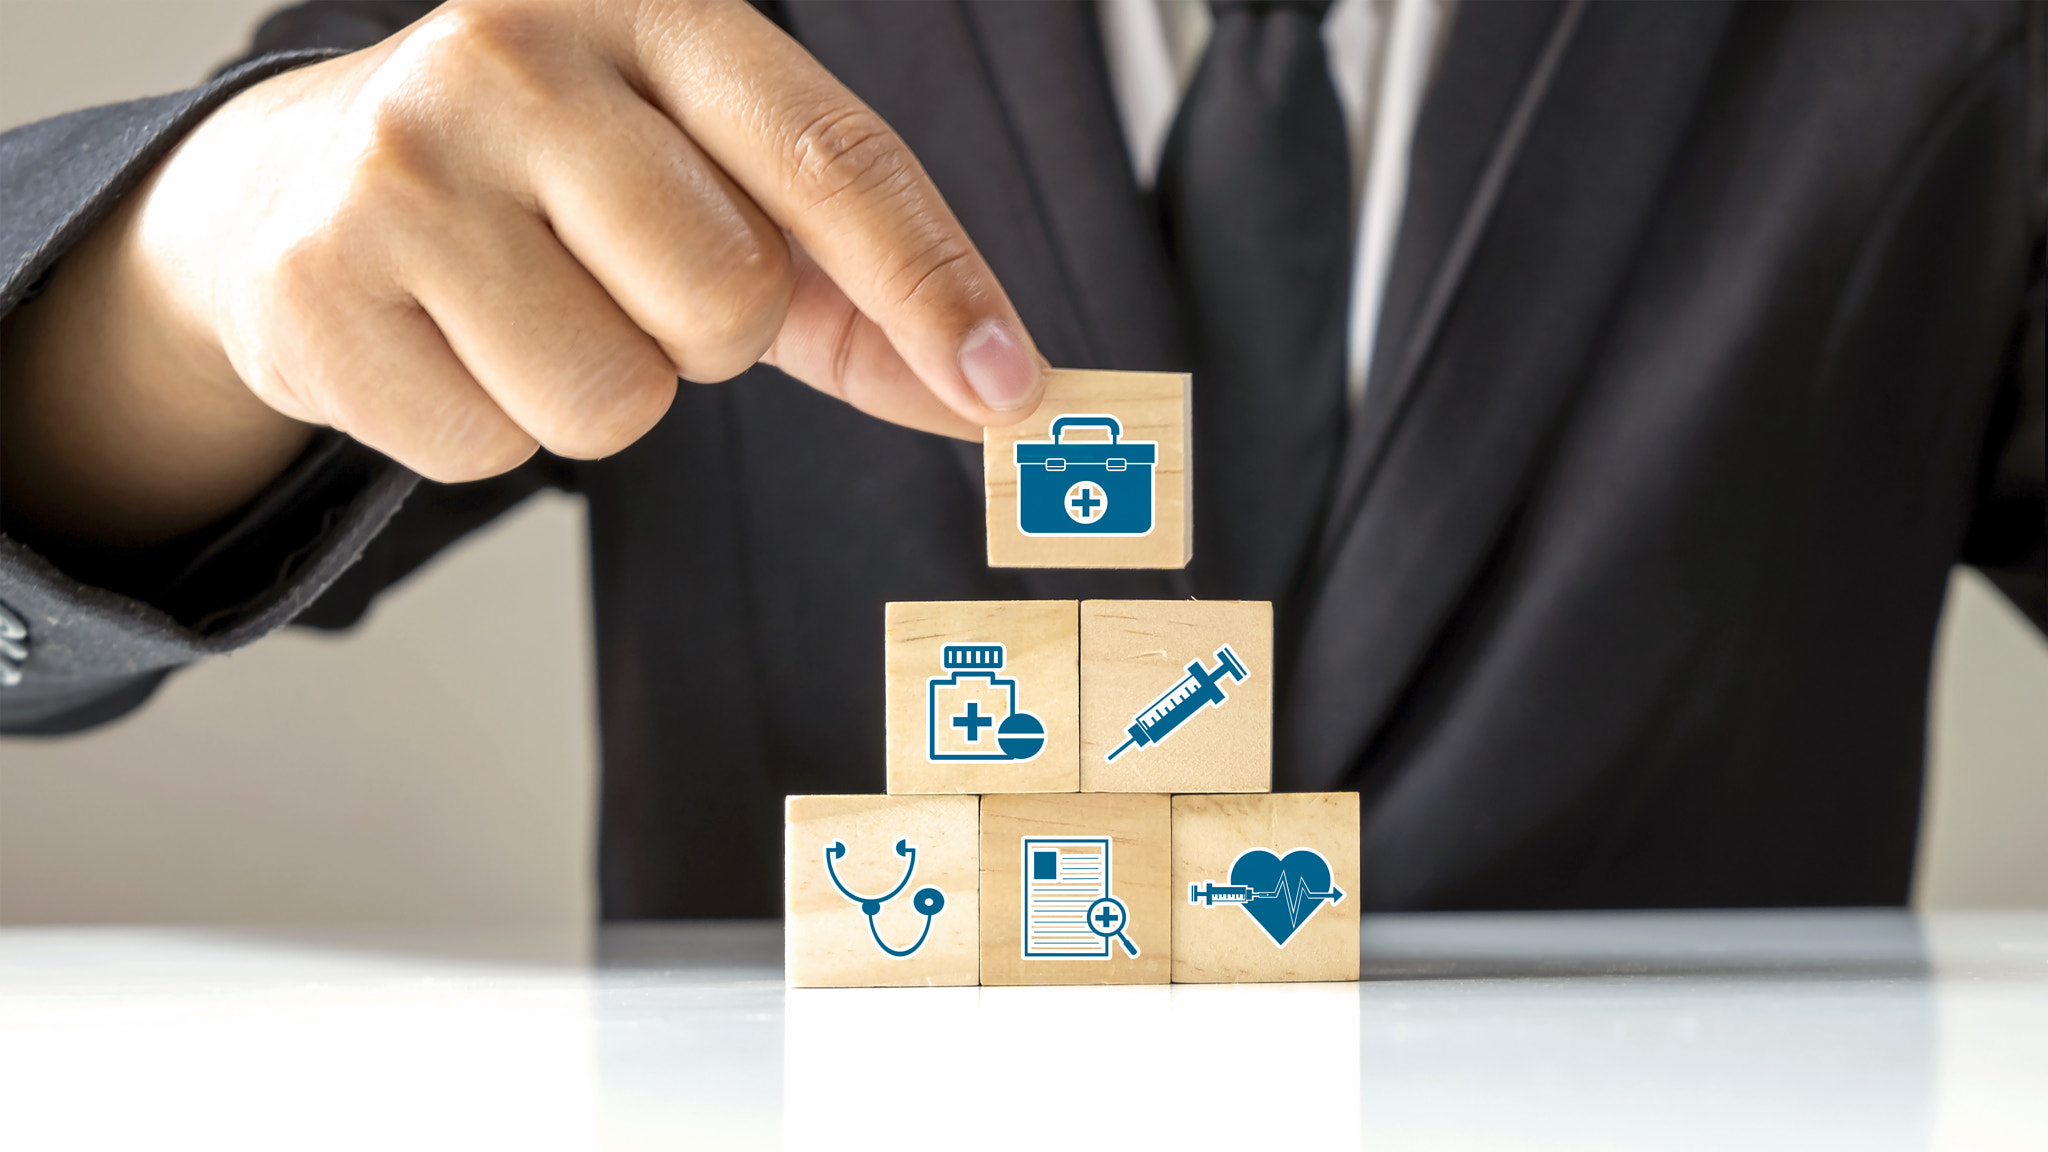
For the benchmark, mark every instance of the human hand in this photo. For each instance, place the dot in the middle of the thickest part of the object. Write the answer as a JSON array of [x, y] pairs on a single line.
[[512, 225]]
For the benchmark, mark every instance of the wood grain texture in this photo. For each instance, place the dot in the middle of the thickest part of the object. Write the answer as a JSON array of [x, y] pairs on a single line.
[[826, 939], [1151, 406], [1221, 943], [1042, 644], [1138, 827], [1135, 651]]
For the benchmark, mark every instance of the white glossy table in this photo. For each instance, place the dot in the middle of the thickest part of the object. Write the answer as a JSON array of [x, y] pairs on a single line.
[[1751, 1031]]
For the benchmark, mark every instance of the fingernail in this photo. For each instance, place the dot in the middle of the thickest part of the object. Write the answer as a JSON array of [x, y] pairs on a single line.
[[997, 367]]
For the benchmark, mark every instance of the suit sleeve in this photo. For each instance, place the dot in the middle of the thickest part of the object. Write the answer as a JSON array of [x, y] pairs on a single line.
[[86, 635]]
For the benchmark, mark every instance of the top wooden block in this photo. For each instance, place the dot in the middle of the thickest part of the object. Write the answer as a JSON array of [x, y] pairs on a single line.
[[1100, 476]]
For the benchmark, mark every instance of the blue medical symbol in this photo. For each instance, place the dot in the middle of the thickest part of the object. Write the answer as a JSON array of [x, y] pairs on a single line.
[[1200, 687], [1107, 918], [1279, 895], [929, 901], [955, 716], [1085, 503], [1085, 487], [973, 721]]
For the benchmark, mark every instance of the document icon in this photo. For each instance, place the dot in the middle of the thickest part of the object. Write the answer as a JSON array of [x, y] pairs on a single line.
[[1069, 910]]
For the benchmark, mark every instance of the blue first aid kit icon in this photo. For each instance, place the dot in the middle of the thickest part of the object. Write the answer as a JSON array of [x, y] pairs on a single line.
[[1087, 487]]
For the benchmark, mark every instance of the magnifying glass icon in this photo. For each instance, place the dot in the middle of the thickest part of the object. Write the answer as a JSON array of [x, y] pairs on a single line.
[[1107, 918]]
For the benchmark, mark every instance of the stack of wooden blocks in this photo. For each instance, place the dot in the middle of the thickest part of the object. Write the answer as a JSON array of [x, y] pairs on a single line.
[[1080, 792]]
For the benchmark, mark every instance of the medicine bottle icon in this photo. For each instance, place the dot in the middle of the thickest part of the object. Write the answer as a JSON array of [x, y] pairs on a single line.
[[971, 712]]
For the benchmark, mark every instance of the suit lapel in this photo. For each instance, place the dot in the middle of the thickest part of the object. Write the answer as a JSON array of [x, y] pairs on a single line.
[[1538, 157], [1009, 109], [1458, 176]]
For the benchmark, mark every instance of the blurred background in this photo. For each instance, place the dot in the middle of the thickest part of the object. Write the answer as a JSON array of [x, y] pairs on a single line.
[[439, 763]]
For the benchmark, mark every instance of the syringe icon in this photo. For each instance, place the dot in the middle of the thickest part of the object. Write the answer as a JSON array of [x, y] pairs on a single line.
[[1209, 893], [1202, 686]]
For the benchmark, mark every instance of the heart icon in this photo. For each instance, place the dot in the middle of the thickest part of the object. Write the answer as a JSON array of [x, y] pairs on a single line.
[[1283, 893]]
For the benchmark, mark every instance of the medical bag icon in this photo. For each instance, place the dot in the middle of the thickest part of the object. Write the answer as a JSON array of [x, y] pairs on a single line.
[[1085, 488], [971, 712]]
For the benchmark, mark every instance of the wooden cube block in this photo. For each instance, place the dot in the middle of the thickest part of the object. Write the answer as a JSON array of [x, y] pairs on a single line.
[[1176, 696], [1098, 477], [881, 891], [1074, 889], [1265, 887], [983, 696]]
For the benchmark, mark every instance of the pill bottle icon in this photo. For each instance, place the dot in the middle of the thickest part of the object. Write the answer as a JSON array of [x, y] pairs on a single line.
[[971, 711]]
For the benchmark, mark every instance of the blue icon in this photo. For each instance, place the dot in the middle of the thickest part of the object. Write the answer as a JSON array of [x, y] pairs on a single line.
[[1107, 918], [1085, 488], [971, 713], [928, 901], [1279, 895], [1069, 911], [1200, 687]]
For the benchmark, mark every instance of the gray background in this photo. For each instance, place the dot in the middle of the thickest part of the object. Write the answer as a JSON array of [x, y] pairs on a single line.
[[439, 763]]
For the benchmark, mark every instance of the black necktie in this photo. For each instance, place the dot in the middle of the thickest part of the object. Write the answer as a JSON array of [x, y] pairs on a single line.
[[1255, 191]]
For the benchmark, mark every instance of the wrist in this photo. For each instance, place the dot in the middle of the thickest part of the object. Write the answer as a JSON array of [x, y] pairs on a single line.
[[122, 420]]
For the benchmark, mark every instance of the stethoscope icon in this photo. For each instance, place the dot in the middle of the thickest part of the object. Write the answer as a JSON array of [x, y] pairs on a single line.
[[928, 900], [1108, 918]]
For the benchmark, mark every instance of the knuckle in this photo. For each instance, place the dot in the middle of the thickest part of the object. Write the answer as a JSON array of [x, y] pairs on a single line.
[[450, 436], [301, 271], [704, 365], [470, 64], [471, 466], [746, 310], [708, 360], [637, 410], [402, 169], [302, 278], [477, 448], [932, 274], [845, 151], [502, 50], [620, 405], [734, 295], [756, 283]]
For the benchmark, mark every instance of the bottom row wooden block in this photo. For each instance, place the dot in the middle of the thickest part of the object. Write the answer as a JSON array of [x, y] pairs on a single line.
[[1070, 888]]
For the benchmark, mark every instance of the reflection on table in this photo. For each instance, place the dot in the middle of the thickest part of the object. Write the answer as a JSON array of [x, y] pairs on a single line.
[[1866, 1030]]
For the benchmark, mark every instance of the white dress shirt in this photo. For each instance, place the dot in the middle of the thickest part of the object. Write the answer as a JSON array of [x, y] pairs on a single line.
[[1381, 53]]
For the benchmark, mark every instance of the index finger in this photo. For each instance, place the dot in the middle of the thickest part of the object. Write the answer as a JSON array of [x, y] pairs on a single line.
[[828, 169]]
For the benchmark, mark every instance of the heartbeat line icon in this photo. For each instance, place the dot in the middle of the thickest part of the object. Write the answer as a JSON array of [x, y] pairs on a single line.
[[1299, 899]]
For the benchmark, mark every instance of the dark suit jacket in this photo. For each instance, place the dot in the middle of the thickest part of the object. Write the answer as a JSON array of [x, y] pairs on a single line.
[[1713, 339]]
